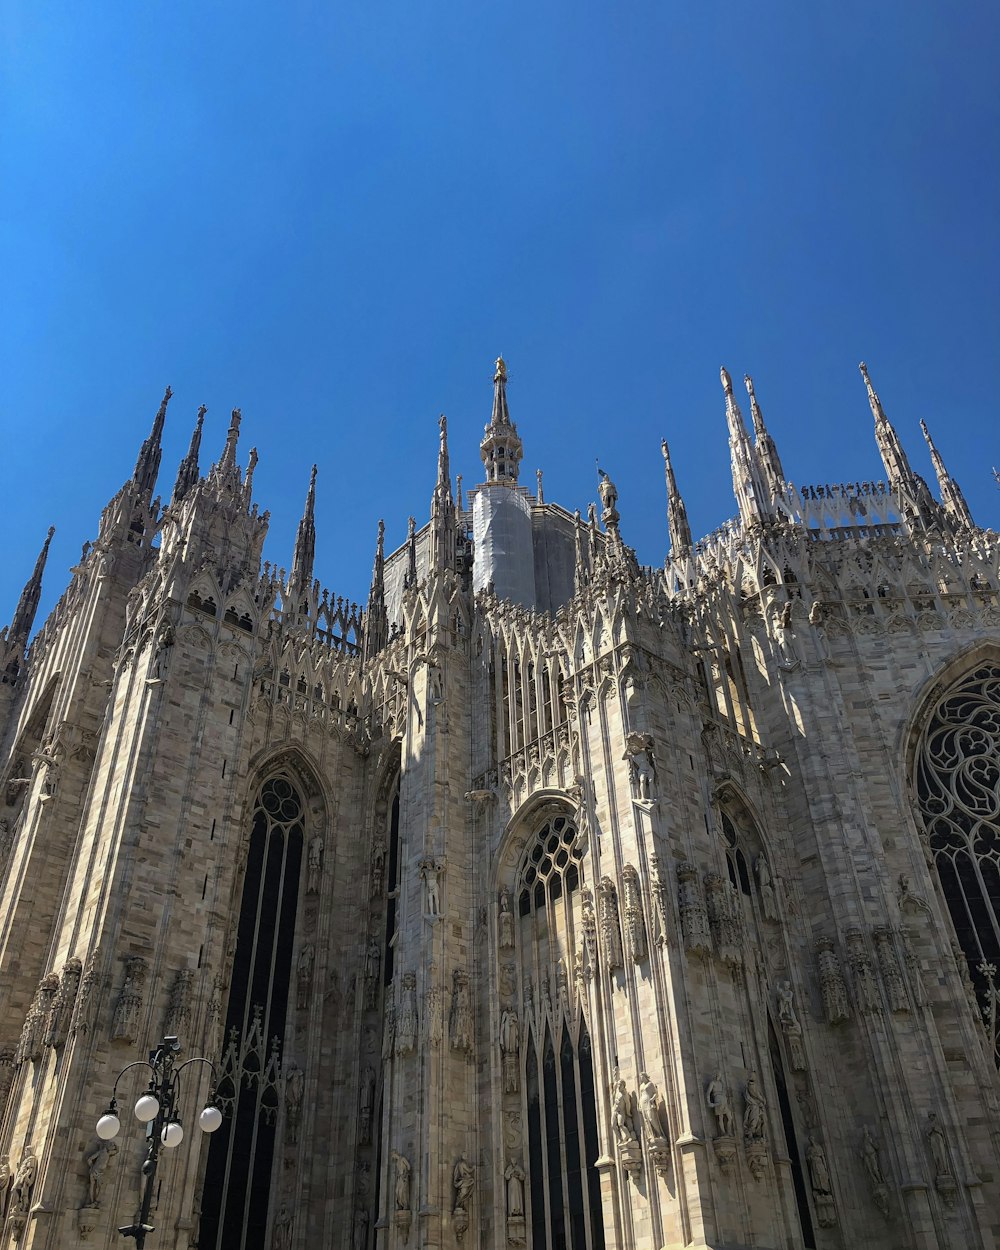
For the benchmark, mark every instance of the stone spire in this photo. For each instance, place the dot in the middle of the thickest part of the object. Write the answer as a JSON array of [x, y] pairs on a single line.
[[501, 448], [951, 493], [410, 576], [226, 466], [897, 467], [305, 540], [767, 452], [27, 605], [188, 471], [677, 518], [147, 466], [376, 622], [749, 484], [442, 506]]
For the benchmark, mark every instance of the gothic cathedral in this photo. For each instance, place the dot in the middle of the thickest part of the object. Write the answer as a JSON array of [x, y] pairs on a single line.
[[547, 901]]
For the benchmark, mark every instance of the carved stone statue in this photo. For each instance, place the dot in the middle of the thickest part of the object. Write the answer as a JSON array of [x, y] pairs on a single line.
[[97, 1162], [514, 1176], [819, 1177], [401, 1188], [651, 1109], [314, 869], [755, 1110], [378, 869], [506, 921], [430, 874], [24, 1182], [939, 1149], [295, 1081], [621, 1111], [718, 1100], [907, 899], [373, 964], [790, 1026], [406, 1017], [281, 1235], [765, 883], [360, 1238], [460, 1022], [873, 1168], [463, 1182], [510, 1042], [304, 972]]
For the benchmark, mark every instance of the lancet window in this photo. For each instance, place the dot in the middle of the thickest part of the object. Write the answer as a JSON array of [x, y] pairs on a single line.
[[563, 1207], [958, 795], [528, 701], [237, 1183]]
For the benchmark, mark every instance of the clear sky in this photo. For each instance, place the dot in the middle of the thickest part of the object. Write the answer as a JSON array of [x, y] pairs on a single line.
[[335, 215]]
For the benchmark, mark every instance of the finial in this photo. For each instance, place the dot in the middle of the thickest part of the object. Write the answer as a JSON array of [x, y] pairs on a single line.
[[500, 372], [538, 478], [458, 493], [147, 465], [188, 471], [727, 381], [305, 538], [748, 383], [27, 605]]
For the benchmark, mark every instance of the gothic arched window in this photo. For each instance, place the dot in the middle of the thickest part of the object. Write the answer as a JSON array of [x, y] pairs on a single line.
[[557, 1073], [237, 1184], [958, 793]]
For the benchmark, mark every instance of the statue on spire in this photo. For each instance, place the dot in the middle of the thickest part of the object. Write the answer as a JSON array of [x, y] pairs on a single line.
[[501, 448]]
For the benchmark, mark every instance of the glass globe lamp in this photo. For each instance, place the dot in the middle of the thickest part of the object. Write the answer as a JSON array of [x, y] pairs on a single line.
[[172, 1134], [108, 1125], [210, 1119], [146, 1108]]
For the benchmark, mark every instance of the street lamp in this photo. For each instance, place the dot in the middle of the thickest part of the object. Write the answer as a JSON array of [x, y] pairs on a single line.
[[157, 1107]]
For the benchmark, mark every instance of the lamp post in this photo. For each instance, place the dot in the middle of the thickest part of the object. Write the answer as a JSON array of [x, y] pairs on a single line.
[[157, 1108]]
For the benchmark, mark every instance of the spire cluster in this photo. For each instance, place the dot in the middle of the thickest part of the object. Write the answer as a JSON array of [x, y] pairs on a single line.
[[501, 448]]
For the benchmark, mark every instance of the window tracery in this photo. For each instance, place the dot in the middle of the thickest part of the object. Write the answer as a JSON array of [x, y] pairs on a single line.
[[958, 796]]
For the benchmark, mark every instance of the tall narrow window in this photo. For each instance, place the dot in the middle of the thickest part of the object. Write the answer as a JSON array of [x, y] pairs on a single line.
[[958, 793], [564, 1201], [237, 1184]]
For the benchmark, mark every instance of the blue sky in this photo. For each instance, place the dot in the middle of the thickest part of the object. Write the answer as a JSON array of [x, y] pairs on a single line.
[[335, 215]]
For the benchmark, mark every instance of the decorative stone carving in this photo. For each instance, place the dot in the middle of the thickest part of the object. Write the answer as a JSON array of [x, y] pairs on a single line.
[[790, 1027], [295, 1083], [892, 976], [831, 983], [60, 1013], [623, 1123], [389, 1032], [460, 1028], [873, 1170], [510, 1043], [611, 933], [97, 1164], [723, 919], [314, 864], [694, 918], [505, 921], [944, 1179], [30, 1046], [635, 924], [914, 974], [765, 887], [589, 917], [86, 1222], [304, 975], [378, 870], [178, 1016], [401, 1194], [7, 1055], [373, 966], [907, 899], [641, 764], [430, 873], [24, 1184], [367, 1102], [406, 1016], [83, 1007], [717, 1097], [432, 1009], [819, 1179], [658, 894], [755, 1111], [281, 1233], [865, 989], [125, 1023], [359, 1237], [463, 1181], [654, 1123], [514, 1178]]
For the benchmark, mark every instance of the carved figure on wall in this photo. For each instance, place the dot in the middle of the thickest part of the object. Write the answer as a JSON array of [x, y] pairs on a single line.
[[718, 1100], [281, 1234], [658, 891], [360, 1239], [694, 917], [865, 990], [506, 921], [589, 917], [790, 1026], [97, 1163], [765, 884], [621, 1111], [178, 1015], [635, 924], [819, 1178], [430, 874], [651, 1109], [24, 1183], [303, 975], [514, 1176], [907, 898], [460, 1021], [314, 867], [755, 1110], [125, 1025], [373, 964], [873, 1168], [57, 1025], [367, 1103], [610, 926], [406, 1018], [463, 1182], [389, 1032], [510, 1041], [378, 869], [892, 974], [295, 1082], [83, 1007], [944, 1181], [401, 1188]]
